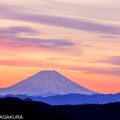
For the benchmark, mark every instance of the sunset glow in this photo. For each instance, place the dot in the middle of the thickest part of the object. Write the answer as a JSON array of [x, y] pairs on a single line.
[[80, 39]]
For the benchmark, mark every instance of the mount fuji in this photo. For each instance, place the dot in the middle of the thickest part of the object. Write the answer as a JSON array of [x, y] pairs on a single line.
[[46, 83]]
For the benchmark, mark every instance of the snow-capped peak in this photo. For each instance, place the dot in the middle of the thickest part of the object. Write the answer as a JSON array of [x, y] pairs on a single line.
[[46, 83]]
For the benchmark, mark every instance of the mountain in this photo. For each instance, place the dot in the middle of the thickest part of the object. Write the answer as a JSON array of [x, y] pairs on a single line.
[[73, 99], [77, 99], [46, 83]]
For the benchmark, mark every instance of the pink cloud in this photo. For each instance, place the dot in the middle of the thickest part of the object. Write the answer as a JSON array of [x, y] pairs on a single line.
[[35, 63], [8, 13]]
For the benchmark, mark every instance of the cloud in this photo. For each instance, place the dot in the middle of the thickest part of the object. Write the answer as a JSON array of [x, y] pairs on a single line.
[[92, 70], [21, 63], [58, 58], [17, 29], [36, 42], [9, 13], [109, 37], [114, 60], [20, 29], [9, 36], [46, 64], [29, 63], [44, 43], [107, 71], [110, 71]]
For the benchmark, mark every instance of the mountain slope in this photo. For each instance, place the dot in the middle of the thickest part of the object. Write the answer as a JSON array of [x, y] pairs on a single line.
[[46, 83]]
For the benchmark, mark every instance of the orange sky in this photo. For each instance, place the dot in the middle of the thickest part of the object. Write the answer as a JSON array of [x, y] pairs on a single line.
[[79, 39]]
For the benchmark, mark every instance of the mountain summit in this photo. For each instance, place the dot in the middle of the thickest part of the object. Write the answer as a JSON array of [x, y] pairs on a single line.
[[46, 83]]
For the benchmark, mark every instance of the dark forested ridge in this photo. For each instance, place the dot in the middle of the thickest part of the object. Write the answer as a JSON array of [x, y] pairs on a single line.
[[42, 111]]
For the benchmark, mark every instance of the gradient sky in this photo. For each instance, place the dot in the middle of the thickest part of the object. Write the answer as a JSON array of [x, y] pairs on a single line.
[[80, 39]]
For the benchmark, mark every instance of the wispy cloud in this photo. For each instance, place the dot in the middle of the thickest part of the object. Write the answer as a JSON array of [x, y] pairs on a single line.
[[114, 60], [109, 37], [108, 71], [46, 64], [9, 36], [17, 29], [9, 13], [44, 43]]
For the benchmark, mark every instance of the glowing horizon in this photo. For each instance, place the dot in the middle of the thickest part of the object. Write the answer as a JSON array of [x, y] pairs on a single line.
[[79, 39]]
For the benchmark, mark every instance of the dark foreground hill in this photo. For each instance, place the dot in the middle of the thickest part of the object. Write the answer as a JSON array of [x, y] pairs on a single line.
[[42, 111]]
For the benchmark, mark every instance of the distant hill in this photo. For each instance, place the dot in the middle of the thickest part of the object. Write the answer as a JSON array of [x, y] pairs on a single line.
[[74, 99], [46, 83], [41, 111]]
